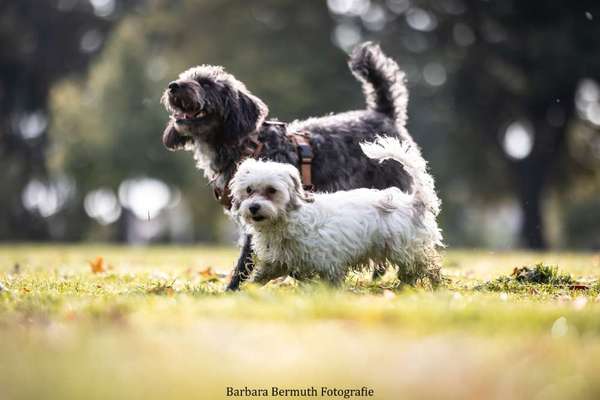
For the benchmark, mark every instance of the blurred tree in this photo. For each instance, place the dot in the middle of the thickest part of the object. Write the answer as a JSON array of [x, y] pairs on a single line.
[[42, 41], [525, 67], [493, 97]]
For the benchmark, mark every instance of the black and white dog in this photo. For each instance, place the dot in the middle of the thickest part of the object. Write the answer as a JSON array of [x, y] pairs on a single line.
[[211, 112]]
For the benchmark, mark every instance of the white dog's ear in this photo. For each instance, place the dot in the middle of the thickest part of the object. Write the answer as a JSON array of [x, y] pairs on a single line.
[[297, 192]]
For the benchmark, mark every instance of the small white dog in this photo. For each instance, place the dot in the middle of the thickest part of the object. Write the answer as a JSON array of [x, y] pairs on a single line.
[[327, 234]]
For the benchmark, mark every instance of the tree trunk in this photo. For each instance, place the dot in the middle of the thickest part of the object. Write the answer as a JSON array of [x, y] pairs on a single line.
[[531, 181], [20, 161], [533, 173]]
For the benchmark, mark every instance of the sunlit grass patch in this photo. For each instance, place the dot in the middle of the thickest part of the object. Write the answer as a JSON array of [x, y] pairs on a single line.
[[155, 323], [541, 280]]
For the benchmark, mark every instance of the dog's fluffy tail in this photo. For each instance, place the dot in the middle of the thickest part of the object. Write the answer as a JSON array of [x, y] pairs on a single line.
[[409, 155], [382, 80]]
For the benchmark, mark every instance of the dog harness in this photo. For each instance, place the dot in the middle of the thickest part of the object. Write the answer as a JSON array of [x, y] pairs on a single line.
[[252, 147], [305, 155]]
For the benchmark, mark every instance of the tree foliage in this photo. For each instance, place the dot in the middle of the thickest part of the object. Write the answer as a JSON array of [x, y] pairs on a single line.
[[41, 43], [477, 71]]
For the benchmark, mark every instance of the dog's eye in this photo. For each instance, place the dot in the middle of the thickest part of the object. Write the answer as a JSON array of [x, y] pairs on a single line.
[[249, 190], [271, 190]]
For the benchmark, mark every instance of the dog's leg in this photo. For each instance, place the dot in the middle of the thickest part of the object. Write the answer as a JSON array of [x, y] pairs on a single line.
[[244, 266], [433, 266], [408, 266], [269, 272], [407, 274], [424, 266]]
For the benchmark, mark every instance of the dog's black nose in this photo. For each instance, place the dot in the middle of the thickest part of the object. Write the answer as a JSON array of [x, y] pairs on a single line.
[[254, 208], [173, 86]]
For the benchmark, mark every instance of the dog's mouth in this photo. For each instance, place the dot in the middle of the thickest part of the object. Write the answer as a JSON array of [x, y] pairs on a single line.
[[189, 117], [258, 218]]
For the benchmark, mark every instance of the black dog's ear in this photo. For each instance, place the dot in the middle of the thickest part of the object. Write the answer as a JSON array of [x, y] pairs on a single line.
[[172, 139], [244, 113]]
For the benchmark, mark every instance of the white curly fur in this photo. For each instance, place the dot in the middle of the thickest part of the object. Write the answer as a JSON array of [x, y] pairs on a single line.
[[408, 154], [327, 234]]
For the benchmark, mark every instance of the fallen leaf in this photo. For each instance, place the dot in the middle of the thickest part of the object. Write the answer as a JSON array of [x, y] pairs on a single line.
[[26, 290], [208, 273], [97, 265], [71, 316], [579, 286]]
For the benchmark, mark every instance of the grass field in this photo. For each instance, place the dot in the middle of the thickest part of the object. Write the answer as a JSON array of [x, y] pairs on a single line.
[[154, 323]]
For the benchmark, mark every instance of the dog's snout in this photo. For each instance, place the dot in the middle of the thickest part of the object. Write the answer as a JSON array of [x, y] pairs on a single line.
[[254, 208], [173, 86]]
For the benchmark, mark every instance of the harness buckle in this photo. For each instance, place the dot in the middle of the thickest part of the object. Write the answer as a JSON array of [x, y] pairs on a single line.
[[305, 153]]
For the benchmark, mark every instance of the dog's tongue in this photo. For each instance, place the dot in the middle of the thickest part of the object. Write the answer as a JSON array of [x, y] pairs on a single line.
[[182, 115]]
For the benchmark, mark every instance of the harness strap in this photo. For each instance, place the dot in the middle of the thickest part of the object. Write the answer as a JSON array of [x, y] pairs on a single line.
[[305, 154]]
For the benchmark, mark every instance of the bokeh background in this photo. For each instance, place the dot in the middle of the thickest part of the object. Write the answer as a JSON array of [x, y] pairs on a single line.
[[505, 102]]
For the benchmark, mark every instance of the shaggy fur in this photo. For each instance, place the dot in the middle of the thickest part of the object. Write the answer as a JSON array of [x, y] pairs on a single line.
[[326, 235], [211, 111]]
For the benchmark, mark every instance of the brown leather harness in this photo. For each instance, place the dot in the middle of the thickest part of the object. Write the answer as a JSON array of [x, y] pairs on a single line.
[[252, 147], [305, 154]]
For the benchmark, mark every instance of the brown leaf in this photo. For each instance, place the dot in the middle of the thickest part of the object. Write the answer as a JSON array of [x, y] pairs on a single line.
[[579, 286], [207, 273], [97, 265]]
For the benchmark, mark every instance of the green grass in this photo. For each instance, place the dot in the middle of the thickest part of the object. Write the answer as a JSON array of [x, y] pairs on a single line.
[[156, 325]]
